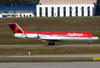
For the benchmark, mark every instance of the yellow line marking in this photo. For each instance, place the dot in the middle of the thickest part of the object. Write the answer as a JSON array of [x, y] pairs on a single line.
[[96, 58]]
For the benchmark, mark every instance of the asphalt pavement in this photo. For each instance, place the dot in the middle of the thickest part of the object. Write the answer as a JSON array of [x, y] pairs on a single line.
[[52, 65]]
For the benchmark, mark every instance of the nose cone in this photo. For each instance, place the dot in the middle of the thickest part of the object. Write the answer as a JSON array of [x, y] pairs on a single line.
[[96, 38]]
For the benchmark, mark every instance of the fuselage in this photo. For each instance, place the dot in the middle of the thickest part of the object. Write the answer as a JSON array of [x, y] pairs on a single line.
[[51, 37], [57, 36]]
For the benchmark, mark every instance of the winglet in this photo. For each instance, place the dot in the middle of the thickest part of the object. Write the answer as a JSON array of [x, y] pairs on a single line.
[[15, 27]]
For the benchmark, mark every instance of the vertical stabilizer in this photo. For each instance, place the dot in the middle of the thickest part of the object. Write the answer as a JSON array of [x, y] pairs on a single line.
[[15, 27]]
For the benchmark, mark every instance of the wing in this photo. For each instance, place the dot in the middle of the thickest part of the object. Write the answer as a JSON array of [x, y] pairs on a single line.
[[50, 37]]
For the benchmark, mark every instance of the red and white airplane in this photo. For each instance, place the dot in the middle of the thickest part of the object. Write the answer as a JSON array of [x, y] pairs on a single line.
[[51, 37]]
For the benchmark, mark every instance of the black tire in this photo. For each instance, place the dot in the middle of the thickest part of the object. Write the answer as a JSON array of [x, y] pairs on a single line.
[[49, 44], [53, 43]]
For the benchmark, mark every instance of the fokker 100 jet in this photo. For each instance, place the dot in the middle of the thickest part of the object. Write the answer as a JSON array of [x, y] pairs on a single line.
[[51, 37]]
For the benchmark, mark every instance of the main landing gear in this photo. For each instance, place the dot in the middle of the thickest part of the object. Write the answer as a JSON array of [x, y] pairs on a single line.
[[51, 43]]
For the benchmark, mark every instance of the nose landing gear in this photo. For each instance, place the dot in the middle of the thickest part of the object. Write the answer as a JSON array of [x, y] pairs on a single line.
[[89, 42]]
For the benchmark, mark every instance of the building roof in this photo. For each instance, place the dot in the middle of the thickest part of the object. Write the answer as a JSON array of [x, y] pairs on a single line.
[[18, 8], [67, 1]]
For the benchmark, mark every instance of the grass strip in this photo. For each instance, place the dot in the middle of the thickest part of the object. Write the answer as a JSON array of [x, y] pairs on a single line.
[[61, 59], [54, 24], [50, 50]]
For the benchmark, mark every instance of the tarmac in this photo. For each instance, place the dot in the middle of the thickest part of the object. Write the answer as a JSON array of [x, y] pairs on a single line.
[[52, 65]]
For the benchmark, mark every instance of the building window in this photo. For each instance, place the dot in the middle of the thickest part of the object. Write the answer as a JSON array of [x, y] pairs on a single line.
[[70, 11], [5, 11], [93, 9], [88, 11], [20, 15], [24, 15], [46, 10], [40, 11], [76, 11], [30, 15], [64, 10], [52, 11], [58, 11], [82, 11]]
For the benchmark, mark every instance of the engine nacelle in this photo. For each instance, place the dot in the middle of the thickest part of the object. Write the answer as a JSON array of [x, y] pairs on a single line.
[[26, 35]]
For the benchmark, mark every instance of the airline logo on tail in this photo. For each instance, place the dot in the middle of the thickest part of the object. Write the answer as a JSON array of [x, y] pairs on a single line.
[[15, 28]]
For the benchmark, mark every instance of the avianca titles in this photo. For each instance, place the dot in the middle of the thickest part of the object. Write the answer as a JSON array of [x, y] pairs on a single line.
[[51, 37]]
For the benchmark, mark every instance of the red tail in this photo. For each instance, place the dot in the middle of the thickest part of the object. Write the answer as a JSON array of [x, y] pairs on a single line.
[[15, 27]]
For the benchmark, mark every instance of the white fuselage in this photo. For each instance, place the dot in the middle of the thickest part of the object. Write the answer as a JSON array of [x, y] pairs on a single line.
[[38, 37]]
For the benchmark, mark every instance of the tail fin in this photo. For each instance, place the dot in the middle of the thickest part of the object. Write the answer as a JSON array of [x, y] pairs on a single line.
[[15, 27]]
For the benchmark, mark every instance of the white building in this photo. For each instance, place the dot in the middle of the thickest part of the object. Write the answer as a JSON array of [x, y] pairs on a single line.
[[66, 8]]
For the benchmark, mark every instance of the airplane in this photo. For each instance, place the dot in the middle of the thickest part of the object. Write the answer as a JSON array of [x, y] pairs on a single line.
[[51, 37]]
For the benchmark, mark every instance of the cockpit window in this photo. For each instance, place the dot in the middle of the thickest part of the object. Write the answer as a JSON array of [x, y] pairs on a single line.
[[92, 35]]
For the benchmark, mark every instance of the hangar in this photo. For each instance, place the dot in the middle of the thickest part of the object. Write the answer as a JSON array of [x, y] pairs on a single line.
[[54, 8], [18, 11], [66, 8]]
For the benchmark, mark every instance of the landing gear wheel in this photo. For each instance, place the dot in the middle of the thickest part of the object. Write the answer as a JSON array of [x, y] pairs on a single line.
[[51, 43]]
